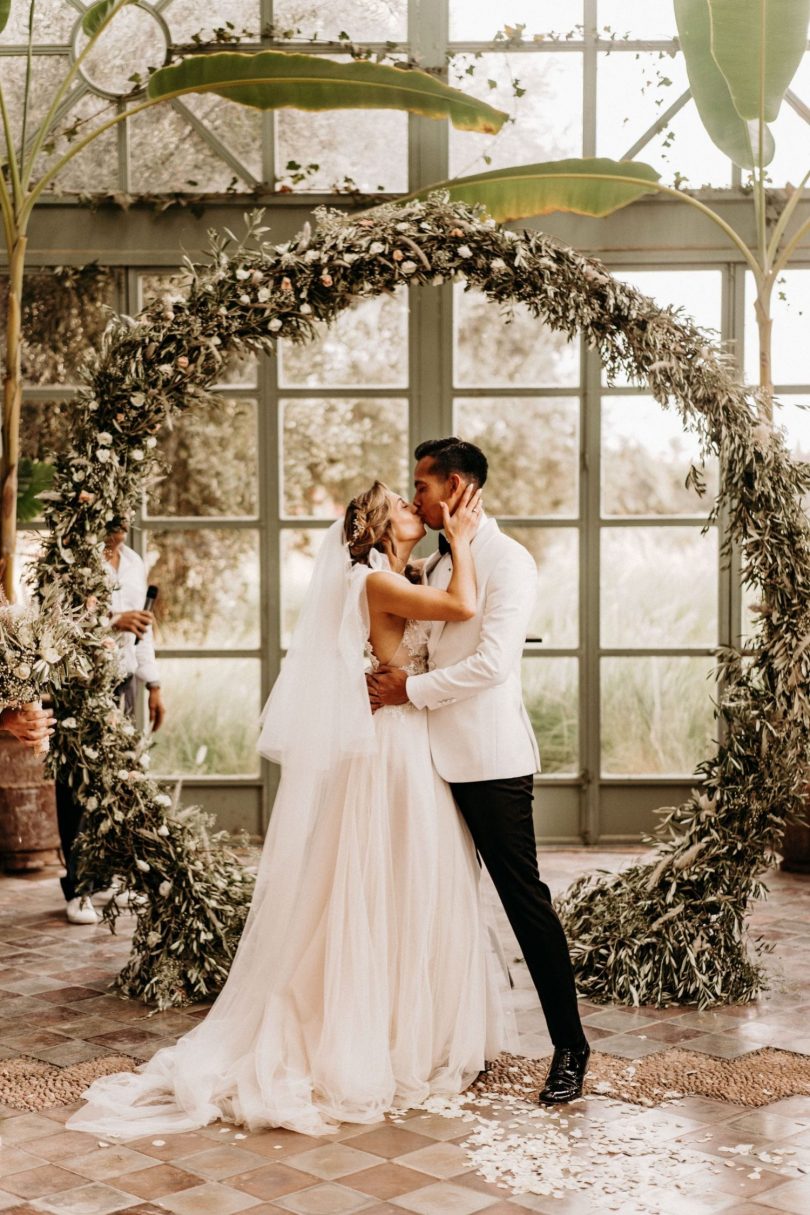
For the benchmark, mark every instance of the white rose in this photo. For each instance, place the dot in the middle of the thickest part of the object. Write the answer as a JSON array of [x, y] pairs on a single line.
[[144, 866], [497, 263], [263, 295], [163, 830], [122, 774], [408, 267], [91, 752], [306, 309], [91, 803], [79, 474], [68, 723], [103, 454], [162, 799], [23, 671], [244, 299], [137, 454], [151, 441], [104, 437], [274, 325], [464, 251], [242, 275], [376, 246], [256, 276], [164, 888]]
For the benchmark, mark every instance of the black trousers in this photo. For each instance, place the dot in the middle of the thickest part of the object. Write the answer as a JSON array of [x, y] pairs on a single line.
[[69, 812], [499, 816]]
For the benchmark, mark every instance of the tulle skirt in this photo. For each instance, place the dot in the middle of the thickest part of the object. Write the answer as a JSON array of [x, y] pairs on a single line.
[[373, 984]]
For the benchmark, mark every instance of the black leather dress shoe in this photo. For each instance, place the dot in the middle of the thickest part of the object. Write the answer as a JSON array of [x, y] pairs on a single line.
[[565, 1076]]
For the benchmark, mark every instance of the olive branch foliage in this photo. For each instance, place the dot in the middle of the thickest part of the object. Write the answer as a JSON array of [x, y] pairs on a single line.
[[668, 930]]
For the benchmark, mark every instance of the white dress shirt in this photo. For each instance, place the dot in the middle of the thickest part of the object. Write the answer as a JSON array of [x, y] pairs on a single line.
[[128, 584]]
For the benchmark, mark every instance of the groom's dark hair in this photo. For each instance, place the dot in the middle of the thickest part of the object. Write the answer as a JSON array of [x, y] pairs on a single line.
[[454, 455]]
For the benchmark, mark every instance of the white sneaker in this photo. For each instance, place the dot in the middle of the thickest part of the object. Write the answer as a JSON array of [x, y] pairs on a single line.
[[81, 911]]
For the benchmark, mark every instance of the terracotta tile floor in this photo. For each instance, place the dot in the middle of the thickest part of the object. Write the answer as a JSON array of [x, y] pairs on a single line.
[[54, 1006]]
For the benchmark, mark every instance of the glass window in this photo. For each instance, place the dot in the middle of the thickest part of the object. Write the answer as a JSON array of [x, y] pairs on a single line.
[[790, 310], [299, 548], [636, 18], [188, 19], [659, 587], [65, 312], [697, 292], [556, 554], [334, 448], [212, 458], [133, 42], [53, 22], [366, 345], [167, 155], [342, 150], [508, 348], [793, 415], [533, 449], [646, 455], [657, 716], [209, 587], [547, 115], [480, 22], [361, 20], [45, 428], [633, 89], [550, 691], [213, 706], [238, 127]]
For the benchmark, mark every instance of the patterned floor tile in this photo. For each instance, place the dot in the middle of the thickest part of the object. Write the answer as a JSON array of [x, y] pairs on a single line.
[[329, 1198], [444, 1198]]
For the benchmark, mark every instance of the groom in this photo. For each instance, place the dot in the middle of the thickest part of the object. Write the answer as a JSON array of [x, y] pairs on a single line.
[[482, 741]]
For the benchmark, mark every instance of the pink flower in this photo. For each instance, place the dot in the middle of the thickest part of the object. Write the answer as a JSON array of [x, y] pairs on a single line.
[[84, 496], [397, 255], [182, 361], [286, 284], [326, 279]]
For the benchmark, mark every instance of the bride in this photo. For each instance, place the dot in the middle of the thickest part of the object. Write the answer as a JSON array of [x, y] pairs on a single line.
[[365, 977]]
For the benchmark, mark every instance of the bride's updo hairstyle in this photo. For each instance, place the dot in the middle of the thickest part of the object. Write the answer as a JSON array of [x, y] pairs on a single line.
[[367, 526], [367, 523]]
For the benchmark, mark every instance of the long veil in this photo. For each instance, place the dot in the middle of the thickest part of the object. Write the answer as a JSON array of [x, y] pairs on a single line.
[[350, 912]]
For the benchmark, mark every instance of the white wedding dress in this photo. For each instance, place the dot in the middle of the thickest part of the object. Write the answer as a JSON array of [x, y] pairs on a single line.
[[373, 984]]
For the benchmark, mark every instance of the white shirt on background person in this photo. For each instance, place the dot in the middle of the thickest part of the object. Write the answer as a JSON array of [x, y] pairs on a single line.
[[129, 584]]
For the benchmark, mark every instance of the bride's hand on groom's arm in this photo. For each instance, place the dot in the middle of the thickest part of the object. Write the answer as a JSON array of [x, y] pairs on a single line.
[[386, 686]]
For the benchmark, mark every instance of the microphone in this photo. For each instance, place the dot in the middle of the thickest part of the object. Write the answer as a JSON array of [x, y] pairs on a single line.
[[151, 596]]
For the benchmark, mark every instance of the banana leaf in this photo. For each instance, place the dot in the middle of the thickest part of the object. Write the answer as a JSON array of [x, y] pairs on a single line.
[[270, 80]]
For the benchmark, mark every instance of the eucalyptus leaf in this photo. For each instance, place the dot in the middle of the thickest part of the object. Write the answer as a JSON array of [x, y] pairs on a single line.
[[5, 13]]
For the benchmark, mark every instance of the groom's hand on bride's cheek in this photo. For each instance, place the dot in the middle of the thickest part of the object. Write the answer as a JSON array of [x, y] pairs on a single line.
[[386, 686]]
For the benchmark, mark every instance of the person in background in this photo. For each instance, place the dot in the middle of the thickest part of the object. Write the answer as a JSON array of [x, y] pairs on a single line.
[[127, 575]]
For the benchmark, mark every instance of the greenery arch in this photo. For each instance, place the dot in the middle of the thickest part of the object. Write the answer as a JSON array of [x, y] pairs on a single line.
[[669, 930]]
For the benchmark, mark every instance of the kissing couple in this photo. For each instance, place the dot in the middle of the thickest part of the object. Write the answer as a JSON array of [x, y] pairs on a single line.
[[368, 975]]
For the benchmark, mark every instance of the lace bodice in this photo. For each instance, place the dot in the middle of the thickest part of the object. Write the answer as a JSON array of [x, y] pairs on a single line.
[[411, 654]]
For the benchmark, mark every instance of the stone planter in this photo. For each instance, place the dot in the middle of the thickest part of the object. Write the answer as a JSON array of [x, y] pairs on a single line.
[[29, 837]]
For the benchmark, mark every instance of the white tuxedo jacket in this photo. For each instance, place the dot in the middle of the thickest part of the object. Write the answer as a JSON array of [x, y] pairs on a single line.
[[478, 725]]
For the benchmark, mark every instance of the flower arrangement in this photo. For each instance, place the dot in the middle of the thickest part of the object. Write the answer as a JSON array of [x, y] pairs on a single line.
[[42, 647], [671, 930]]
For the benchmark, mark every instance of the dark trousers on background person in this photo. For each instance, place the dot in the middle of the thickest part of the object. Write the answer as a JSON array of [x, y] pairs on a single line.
[[69, 812], [499, 816]]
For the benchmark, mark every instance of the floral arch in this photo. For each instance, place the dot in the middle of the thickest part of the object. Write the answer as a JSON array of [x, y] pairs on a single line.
[[671, 930]]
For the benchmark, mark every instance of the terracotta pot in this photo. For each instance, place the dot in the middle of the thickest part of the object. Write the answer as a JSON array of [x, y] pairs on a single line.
[[29, 837], [796, 848]]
